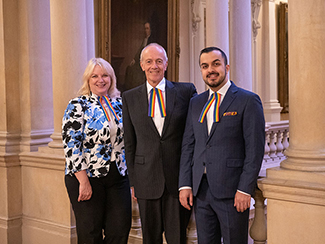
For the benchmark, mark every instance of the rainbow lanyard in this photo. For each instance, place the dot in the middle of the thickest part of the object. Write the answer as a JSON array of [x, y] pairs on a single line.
[[109, 105], [208, 105], [152, 102]]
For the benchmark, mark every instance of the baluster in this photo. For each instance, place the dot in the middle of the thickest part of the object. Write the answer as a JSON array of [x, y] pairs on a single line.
[[272, 145], [191, 230], [258, 228], [267, 148], [279, 145], [136, 222], [285, 139]]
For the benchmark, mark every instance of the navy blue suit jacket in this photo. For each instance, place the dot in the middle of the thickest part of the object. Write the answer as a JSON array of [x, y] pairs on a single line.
[[234, 150]]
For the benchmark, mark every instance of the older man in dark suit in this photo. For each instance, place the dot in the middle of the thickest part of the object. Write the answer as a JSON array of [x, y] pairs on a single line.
[[154, 116], [222, 152]]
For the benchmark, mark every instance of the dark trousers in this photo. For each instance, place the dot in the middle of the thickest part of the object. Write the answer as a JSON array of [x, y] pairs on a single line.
[[165, 214], [107, 212], [216, 218]]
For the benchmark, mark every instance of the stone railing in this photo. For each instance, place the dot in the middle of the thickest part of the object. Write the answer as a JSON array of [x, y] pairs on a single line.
[[276, 141]]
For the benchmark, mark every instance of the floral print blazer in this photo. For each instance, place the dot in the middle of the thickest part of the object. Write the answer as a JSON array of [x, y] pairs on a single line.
[[86, 137]]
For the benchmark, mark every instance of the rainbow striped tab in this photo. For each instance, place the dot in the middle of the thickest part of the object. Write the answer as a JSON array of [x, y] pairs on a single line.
[[216, 108], [155, 92], [110, 107], [207, 106]]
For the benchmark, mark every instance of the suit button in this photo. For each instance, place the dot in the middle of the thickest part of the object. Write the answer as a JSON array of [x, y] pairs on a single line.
[[203, 163], [208, 146]]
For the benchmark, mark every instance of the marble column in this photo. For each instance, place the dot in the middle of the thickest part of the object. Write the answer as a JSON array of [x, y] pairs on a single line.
[[197, 43], [71, 49], [10, 177], [47, 214], [268, 69], [256, 6], [216, 26], [240, 53], [36, 99], [306, 86], [295, 191]]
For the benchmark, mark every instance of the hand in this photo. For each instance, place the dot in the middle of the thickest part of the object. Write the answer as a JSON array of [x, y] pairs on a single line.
[[133, 194], [242, 201], [85, 190], [186, 198]]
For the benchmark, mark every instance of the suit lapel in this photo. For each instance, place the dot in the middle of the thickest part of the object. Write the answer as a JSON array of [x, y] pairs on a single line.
[[144, 104], [228, 99], [198, 109], [170, 102]]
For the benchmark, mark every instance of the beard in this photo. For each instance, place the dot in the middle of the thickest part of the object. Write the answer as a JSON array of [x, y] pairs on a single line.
[[221, 79]]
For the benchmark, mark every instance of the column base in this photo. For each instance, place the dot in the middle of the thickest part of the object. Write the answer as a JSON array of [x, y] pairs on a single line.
[[304, 160], [295, 206]]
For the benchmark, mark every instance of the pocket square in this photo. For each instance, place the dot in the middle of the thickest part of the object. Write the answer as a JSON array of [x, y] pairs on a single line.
[[230, 114]]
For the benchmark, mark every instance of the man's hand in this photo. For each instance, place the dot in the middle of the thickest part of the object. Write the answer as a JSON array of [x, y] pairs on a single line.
[[242, 201], [133, 194], [186, 198]]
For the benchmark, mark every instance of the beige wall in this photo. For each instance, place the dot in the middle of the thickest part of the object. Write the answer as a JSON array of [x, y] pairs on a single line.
[[38, 38]]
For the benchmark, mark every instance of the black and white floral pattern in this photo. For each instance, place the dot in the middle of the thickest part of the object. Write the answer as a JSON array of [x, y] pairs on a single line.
[[86, 137]]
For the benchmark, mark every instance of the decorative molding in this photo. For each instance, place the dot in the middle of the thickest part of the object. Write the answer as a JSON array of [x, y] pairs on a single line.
[[196, 19], [173, 47], [49, 228], [31, 141], [256, 6], [54, 160], [10, 223], [9, 160], [9, 143]]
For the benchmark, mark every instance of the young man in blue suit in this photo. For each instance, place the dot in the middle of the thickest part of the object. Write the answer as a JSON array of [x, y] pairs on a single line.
[[222, 152], [153, 141]]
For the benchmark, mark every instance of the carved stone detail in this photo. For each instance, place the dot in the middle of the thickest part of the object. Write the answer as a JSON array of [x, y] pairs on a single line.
[[196, 19], [256, 6]]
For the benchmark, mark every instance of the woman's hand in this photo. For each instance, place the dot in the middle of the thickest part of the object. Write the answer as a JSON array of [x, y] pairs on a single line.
[[85, 190]]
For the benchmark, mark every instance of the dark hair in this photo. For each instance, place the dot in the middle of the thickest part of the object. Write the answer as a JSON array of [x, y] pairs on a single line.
[[210, 49]]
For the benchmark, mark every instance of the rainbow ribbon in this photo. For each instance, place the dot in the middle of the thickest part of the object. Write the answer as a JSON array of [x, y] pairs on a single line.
[[109, 105], [152, 101], [208, 105]]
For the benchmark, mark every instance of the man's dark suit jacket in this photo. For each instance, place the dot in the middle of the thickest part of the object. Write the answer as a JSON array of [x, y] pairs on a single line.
[[153, 160], [233, 151]]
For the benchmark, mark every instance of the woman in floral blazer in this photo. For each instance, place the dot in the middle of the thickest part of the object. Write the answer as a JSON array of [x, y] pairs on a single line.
[[95, 172]]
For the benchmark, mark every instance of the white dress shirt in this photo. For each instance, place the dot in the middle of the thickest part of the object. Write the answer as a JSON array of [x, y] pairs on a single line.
[[222, 91], [157, 119]]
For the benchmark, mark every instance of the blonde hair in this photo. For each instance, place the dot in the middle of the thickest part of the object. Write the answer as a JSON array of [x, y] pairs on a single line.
[[85, 89]]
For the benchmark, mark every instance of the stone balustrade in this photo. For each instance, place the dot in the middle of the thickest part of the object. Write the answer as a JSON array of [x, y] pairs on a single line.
[[276, 141]]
